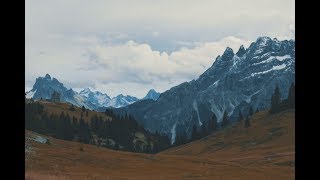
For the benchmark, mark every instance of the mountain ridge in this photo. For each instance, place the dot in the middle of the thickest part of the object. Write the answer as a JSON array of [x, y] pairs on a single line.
[[234, 82], [94, 100]]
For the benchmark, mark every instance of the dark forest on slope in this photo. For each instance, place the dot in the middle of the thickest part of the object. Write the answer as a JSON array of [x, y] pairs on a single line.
[[120, 133], [124, 133]]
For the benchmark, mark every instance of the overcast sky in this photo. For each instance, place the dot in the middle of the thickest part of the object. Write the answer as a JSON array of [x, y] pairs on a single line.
[[129, 47]]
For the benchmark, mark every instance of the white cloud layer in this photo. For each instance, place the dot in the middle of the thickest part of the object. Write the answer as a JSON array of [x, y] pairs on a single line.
[[129, 47], [131, 68]]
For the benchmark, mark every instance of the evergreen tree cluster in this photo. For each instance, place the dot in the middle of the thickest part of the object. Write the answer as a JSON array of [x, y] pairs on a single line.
[[120, 129], [247, 122], [277, 104], [72, 108], [198, 132], [225, 120], [58, 126], [291, 96], [247, 119]]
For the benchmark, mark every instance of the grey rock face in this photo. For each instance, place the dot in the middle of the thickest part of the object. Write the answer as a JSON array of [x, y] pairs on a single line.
[[121, 101], [152, 94], [234, 82]]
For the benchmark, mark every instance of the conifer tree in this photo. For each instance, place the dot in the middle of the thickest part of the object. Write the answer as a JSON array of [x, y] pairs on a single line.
[[214, 124], [204, 129], [291, 96], [275, 100], [240, 118], [225, 119], [72, 107], [250, 111], [247, 122], [194, 134]]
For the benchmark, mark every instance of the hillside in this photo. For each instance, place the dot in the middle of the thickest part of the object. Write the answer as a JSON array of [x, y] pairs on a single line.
[[58, 108], [266, 132], [104, 129], [265, 150]]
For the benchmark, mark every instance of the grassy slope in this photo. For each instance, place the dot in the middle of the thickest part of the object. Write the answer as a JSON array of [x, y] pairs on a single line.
[[263, 151], [57, 108]]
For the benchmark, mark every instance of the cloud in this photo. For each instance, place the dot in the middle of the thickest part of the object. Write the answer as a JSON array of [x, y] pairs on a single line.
[[136, 65], [155, 34], [129, 47], [181, 20]]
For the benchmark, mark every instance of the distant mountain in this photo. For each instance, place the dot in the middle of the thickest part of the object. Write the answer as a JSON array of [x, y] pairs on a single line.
[[121, 100], [152, 94], [44, 87], [97, 98], [234, 82]]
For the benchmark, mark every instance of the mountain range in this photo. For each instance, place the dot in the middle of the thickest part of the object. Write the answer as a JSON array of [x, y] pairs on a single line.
[[235, 82], [94, 100]]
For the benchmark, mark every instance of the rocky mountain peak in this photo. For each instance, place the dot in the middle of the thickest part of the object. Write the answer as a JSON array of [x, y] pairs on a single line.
[[228, 54], [152, 94], [241, 51], [263, 40], [47, 76]]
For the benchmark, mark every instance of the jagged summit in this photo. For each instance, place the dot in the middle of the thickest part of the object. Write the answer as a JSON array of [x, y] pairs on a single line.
[[263, 39], [152, 94], [241, 51], [47, 76], [228, 54], [86, 90]]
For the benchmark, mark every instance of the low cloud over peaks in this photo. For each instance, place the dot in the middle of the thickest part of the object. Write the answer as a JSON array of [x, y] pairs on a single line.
[[130, 47], [140, 67]]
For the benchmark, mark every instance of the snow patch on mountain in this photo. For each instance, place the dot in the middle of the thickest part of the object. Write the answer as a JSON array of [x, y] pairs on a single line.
[[258, 52], [195, 107], [85, 92], [173, 133], [30, 94], [281, 58], [279, 67], [259, 73], [121, 101], [271, 58]]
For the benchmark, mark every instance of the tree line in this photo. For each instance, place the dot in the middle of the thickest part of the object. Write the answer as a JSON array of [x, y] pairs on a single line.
[[120, 130], [277, 104], [212, 126]]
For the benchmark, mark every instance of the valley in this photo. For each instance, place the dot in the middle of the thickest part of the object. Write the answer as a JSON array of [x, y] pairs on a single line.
[[235, 82], [265, 150], [159, 90], [235, 121]]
